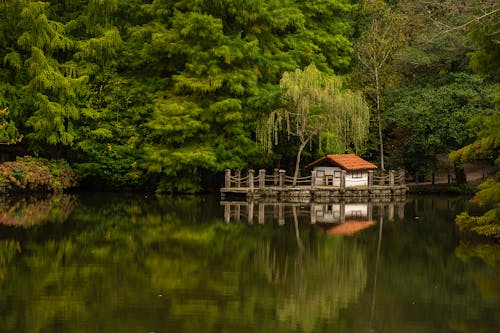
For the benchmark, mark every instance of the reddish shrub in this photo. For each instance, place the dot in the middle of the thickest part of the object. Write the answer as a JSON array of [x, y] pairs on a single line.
[[36, 174]]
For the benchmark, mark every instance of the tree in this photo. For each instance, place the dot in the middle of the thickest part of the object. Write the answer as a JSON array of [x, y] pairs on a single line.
[[316, 106], [375, 49], [486, 146], [41, 95], [429, 117]]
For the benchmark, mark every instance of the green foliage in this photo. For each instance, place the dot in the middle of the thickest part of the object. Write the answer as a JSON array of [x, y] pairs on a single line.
[[137, 93], [488, 224], [430, 118], [486, 146], [315, 106], [8, 131], [36, 174], [485, 33], [175, 88], [487, 141]]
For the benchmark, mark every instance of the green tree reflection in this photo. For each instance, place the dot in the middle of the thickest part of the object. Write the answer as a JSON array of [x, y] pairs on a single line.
[[128, 263], [121, 263]]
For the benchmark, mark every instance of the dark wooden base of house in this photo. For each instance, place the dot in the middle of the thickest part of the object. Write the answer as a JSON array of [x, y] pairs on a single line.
[[302, 193]]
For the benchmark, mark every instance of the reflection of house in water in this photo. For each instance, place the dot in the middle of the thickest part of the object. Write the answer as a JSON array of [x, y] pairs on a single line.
[[333, 217], [339, 212], [347, 218]]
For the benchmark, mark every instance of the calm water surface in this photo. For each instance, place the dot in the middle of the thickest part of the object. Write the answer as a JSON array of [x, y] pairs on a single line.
[[136, 263]]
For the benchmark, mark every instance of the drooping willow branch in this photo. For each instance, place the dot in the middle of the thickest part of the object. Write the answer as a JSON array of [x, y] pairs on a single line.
[[316, 106]]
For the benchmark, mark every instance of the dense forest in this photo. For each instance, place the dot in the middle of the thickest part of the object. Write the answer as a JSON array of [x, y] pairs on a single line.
[[166, 94]]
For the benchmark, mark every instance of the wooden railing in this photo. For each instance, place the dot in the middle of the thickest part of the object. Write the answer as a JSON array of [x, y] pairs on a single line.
[[279, 179]]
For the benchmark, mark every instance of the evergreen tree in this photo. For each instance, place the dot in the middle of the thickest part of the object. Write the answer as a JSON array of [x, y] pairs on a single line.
[[39, 92]]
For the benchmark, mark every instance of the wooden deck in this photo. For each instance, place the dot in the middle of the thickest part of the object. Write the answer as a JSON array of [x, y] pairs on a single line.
[[279, 186]]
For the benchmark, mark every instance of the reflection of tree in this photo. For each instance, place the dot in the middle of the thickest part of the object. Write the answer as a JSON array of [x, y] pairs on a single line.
[[126, 263], [421, 284], [28, 211], [315, 283], [8, 250], [485, 277]]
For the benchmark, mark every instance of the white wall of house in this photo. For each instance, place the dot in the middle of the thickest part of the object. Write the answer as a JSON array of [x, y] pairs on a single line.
[[339, 212], [356, 210], [330, 176], [356, 179]]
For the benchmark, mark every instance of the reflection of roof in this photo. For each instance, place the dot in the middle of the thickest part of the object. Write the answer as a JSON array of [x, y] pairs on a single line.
[[349, 162], [349, 228]]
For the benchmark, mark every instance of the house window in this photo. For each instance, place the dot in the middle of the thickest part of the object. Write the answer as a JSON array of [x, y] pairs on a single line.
[[357, 174], [336, 174]]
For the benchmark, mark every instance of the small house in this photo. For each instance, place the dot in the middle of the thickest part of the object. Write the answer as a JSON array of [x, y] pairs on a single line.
[[329, 170]]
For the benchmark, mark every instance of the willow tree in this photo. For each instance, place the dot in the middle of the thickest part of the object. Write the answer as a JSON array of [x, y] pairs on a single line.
[[316, 106]]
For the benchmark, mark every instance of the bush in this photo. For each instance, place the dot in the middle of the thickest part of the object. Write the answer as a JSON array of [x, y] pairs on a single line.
[[36, 174]]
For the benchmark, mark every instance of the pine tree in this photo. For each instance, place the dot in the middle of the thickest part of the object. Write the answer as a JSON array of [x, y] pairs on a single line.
[[46, 98]]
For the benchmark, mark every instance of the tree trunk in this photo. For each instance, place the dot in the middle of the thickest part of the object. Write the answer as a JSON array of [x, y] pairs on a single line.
[[300, 245], [297, 163], [379, 120]]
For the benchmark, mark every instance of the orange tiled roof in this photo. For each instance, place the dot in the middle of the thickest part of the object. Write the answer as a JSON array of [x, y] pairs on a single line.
[[349, 162], [350, 228]]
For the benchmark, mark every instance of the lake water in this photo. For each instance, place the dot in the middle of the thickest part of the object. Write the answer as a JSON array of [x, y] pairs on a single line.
[[142, 263]]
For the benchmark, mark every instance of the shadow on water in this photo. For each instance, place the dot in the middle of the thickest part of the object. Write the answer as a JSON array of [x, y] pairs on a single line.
[[140, 263]]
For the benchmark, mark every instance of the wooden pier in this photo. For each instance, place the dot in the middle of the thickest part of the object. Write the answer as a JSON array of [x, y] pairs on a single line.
[[282, 187]]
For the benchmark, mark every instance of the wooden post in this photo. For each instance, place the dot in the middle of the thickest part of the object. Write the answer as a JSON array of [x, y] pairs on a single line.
[[238, 178], [227, 178], [227, 212], [282, 178], [342, 180], [237, 213], [390, 213], [262, 178], [251, 174], [370, 178], [276, 176], [281, 217], [401, 210], [402, 177], [342, 211], [313, 179], [313, 213], [391, 178], [369, 208], [261, 213], [250, 212], [433, 177]]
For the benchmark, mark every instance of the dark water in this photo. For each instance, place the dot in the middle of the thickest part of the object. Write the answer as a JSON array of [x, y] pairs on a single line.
[[128, 263]]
